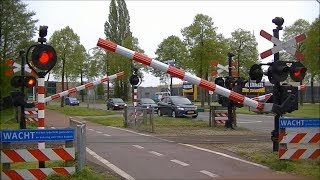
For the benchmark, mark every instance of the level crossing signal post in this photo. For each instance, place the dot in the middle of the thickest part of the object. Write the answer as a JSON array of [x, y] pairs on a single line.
[[285, 96]]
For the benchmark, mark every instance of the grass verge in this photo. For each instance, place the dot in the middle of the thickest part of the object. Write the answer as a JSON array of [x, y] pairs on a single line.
[[80, 111]]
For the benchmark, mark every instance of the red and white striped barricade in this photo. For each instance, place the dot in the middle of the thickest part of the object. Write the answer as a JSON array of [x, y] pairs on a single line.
[[287, 46], [36, 155], [178, 73], [311, 136], [218, 115], [31, 115]]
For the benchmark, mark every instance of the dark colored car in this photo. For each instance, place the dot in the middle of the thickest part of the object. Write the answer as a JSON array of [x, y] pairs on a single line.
[[177, 106], [115, 103], [147, 103], [71, 101]]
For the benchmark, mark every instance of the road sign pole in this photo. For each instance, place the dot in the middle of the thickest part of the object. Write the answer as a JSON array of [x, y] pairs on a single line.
[[276, 94], [22, 116]]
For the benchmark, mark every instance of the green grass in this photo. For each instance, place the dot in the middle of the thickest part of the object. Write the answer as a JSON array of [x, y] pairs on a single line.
[[107, 121], [8, 121], [302, 167], [80, 111]]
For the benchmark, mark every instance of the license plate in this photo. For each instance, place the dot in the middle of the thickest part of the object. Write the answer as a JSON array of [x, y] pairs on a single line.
[[189, 112]]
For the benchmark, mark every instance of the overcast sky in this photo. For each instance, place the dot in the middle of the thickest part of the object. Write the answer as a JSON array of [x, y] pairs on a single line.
[[153, 21]]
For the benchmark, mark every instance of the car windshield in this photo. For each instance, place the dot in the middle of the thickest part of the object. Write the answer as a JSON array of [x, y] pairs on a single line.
[[147, 101], [180, 100], [73, 99], [117, 100]]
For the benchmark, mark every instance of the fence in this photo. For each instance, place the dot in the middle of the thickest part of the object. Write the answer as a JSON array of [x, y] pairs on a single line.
[[142, 120], [80, 141]]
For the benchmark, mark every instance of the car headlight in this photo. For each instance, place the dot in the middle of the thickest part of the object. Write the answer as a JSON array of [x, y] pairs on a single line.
[[116, 105], [180, 108]]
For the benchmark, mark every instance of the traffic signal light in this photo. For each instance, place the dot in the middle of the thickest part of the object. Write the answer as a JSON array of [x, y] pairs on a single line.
[[240, 83], [297, 71], [256, 73], [219, 81], [44, 57], [27, 81], [278, 71], [134, 80], [229, 82]]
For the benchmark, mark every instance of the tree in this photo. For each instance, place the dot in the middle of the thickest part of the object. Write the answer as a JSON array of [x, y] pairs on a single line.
[[16, 31], [65, 42], [243, 45], [171, 48], [117, 29], [300, 26], [203, 45], [312, 53]]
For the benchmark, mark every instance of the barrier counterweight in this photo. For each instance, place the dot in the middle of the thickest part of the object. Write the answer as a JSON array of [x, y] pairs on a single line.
[[110, 46]]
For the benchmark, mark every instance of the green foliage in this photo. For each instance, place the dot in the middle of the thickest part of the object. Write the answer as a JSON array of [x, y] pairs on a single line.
[[8, 121], [243, 45], [80, 111], [171, 48], [17, 29]]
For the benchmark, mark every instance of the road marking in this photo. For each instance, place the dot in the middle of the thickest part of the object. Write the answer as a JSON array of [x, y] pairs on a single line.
[[99, 132], [90, 129], [137, 146], [52, 127], [209, 173], [247, 122], [224, 155], [179, 162], [129, 131], [110, 165], [156, 153], [106, 134]]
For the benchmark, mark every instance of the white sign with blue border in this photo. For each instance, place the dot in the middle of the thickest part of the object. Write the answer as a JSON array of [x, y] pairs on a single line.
[[299, 122], [27, 135]]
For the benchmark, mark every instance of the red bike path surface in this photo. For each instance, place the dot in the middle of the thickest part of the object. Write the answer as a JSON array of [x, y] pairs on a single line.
[[119, 152]]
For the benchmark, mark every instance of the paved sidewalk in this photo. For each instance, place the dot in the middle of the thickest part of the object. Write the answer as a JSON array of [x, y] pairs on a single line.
[[55, 119]]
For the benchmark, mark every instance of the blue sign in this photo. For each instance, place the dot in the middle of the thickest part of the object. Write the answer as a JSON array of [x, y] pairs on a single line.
[[27, 135], [299, 122]]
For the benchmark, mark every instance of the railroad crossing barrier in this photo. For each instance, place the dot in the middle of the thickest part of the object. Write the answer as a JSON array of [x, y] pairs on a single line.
[[9, 155], [80, 141], [300, 138], [31, 115], [143, 120], [219, 115], [143, 59]]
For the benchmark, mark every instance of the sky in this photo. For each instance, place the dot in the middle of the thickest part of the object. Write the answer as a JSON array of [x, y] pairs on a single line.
[[153, 21]]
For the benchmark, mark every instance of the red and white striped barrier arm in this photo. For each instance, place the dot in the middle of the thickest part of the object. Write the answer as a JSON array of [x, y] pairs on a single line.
[[34, 155], [84, 86], [141, 58], [38, 174], [263, 97], [267, 96], [310, 137], [280, 45], [311, 153]]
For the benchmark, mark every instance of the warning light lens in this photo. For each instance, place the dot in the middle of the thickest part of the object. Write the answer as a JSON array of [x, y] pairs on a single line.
[[44, 57], [31, 82]]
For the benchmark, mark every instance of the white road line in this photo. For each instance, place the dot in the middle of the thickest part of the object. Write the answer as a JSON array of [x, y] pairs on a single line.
[[90, 129], [156, 153], [106, 134], [99, 132], [52, 127], [209, 173], [247, 122], [137, 146], [110, 165], [225, 155], [179, 162]]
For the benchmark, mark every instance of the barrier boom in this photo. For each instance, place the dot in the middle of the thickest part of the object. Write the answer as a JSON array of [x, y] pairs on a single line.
[[84, 86], [141, 58]]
